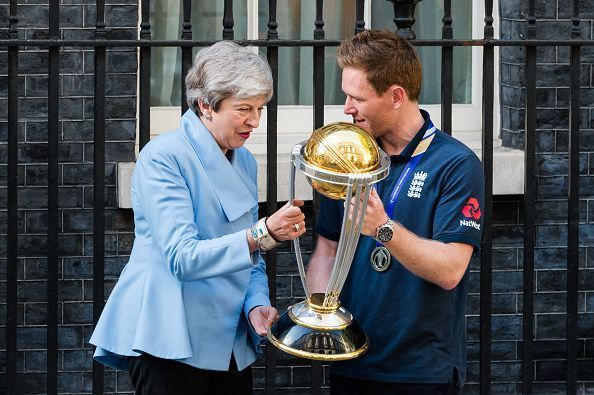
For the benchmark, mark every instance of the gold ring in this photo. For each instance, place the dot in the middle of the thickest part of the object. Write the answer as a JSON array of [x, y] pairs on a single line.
[[297, 227]]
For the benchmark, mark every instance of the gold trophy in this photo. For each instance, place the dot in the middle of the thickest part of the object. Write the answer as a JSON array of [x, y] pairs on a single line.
[[341, 161]]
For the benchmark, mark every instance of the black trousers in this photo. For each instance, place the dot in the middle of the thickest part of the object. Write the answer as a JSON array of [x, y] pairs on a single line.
[[340, 385], [151, 375]]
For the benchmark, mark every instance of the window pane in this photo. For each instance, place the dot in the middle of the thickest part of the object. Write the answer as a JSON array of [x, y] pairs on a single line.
[[166, 19], [295, 20], [428, 15]]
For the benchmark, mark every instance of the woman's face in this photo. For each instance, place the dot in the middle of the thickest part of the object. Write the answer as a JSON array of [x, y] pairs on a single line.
[[234, 122]]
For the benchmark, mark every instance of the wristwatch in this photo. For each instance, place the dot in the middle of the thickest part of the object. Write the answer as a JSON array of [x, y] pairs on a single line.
[[385, 232], [262, 237]]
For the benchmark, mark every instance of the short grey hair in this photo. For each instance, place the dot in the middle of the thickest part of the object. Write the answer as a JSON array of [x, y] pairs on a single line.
[[226, 70]]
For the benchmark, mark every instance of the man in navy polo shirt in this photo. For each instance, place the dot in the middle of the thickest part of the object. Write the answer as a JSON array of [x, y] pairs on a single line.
[[408, 283]]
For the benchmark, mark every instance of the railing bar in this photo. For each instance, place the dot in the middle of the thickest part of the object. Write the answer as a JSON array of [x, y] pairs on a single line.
[[529, 226], [99, 185], [287, 43], [486, 249], [271, 184], [52, 201], [573, 234], [318, 119], [12, 206], [228, 20], [359, 16], [186, 36], [529, 208], [447, 71], [144, 100], [487, 242]]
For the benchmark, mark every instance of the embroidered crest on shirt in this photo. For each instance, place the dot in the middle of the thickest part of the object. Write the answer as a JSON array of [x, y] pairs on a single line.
[[416, 185]]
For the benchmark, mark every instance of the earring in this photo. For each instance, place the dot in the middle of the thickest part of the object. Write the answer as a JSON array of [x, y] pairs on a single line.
[[208, 116]]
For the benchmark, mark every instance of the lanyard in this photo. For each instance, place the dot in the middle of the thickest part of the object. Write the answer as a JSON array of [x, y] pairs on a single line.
[[410, 166], [405, 175]]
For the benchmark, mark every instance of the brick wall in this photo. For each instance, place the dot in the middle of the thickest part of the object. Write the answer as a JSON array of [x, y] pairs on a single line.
[[292, 375], [553, 22], [552, 163], [77, 20]]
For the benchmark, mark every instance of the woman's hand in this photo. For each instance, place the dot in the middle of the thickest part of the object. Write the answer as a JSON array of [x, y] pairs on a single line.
[[288, 222], [261, 317]]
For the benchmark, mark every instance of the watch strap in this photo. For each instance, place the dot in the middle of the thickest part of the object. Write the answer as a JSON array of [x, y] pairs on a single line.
[[262, 236]]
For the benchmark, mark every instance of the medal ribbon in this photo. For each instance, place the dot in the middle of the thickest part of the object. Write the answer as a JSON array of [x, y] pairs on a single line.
[[408, 169]]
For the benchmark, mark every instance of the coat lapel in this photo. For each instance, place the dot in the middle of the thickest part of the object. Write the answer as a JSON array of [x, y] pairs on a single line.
[[229, 179]]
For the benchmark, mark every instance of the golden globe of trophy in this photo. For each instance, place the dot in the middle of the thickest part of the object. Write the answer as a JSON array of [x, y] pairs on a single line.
[[341, 161]]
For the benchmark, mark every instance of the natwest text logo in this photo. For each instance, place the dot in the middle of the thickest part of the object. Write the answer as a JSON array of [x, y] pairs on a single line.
[[470, 224]]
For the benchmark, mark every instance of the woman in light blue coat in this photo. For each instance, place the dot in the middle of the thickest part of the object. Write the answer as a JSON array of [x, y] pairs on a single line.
[[191, 306]]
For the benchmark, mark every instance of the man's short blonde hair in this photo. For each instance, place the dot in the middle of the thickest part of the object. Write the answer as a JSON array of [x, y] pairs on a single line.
[[386, 58]]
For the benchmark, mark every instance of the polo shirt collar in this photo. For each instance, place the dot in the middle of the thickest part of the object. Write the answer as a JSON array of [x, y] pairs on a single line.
[[412, 145]]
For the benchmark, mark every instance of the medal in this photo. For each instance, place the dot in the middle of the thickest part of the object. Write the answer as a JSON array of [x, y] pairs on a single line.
[[380, 259]]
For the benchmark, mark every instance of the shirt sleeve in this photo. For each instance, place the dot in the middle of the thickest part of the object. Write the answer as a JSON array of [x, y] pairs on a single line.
[[329, 218], [458, 215]]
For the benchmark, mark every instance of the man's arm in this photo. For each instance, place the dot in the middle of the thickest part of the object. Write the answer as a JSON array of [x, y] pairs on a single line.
[[320, 265], [441, 263]]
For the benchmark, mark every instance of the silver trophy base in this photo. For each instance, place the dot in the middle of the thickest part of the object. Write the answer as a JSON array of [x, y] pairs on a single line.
[[325, 336]]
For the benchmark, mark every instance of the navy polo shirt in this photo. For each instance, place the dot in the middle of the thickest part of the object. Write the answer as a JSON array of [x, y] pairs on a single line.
[[416, 328]]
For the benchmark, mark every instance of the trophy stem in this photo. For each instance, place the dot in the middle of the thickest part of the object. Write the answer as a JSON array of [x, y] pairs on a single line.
[[349, 235], [342, 242], [296, 245], [364, 189], [314, 315], [316, 302]]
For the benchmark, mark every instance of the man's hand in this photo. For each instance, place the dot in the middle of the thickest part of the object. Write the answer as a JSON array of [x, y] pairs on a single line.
[[375, 214], [262, 317]]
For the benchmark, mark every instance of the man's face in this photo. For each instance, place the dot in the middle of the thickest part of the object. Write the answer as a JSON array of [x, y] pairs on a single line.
[[368, 109]]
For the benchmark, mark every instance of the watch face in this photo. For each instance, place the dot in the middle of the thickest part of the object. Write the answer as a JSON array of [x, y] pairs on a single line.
[[256, 233], [385, 233]]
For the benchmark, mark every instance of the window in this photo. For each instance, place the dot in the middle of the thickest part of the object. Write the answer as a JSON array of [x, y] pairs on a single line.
[[295, 90], [467, 19], [428, 15], [166, 24], [296, 21]]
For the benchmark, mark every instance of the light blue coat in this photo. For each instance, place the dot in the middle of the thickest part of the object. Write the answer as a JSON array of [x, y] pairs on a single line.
[[190, 282]]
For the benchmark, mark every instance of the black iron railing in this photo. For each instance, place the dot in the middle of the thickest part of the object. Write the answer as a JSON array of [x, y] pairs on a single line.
[[404, 11]]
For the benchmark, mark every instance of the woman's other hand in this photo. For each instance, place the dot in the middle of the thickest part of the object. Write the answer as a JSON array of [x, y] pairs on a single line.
[[288, 222], [261, 317]]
